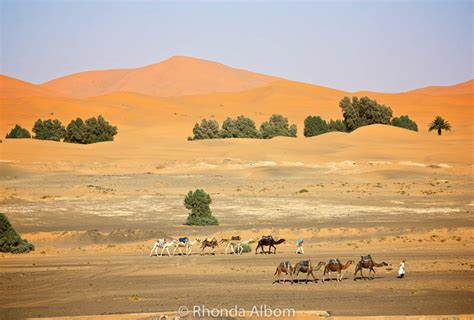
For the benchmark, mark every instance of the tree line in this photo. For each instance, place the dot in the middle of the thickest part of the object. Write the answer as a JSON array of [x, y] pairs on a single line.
[[356, 113], [89, 131]]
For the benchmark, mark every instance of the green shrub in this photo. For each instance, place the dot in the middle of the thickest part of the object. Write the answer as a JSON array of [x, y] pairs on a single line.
[[48, 130], [314, 126], [277, 125], [242, 127], [208, 129], [198, 202], [18, 133], [362, 112], [246, 248], [405, 122], [93, 130], [337, 125], [10, 240]]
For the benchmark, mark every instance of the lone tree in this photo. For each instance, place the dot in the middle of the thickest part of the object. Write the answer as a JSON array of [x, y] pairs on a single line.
[[208, 129], [314, 126], [49, 130], [198, 202], [277, 125], [242, 127], [10, 240], [439, 124], [363, 112], [405, 122], [18, 133]]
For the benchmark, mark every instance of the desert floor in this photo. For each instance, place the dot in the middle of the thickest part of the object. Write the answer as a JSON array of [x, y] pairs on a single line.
[[93, 234]]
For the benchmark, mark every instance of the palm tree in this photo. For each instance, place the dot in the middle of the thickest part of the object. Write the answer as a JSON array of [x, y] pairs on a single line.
[[439, 124]]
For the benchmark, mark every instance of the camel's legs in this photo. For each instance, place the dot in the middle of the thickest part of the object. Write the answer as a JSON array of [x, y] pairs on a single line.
[[152, 249], [312, 274], [176, 247], [188, 250]]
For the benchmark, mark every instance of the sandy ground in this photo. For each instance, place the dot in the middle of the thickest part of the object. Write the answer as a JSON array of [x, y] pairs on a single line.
[[93, 234]]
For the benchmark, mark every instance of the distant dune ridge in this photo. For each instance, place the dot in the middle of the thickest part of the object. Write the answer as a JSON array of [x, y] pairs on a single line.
[[155, 108], [176, 76]]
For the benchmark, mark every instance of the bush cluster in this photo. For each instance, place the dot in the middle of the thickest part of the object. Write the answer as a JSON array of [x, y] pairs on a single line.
[[244, 127], [10, 240], [18, 133], [78, 131]]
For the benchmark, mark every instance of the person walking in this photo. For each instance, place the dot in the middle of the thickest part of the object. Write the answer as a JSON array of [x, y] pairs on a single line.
[[299, 246], [401, 271]]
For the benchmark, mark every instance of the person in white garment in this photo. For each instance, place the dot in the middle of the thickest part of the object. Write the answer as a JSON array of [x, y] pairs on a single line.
[[401, 271], [299, 246]]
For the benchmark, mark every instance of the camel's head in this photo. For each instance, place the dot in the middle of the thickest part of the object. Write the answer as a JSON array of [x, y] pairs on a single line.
[[384, 264], [280, 241], [320, 265], [350, 262]]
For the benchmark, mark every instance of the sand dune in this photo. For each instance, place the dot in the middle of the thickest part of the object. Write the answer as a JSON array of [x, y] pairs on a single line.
[[461, 88], [176, 76], [153, 130], [14, 88]]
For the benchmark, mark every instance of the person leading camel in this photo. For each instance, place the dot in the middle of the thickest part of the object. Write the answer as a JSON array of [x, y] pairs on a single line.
[[366, 262], [307, 267], [334, 265], [299, 246]]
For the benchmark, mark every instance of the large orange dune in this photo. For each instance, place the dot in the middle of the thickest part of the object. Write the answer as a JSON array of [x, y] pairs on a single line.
[[154, 127], [176, 76]]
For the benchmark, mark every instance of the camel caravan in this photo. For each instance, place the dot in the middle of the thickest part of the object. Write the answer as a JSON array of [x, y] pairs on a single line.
[[286, 269], [234, 245]]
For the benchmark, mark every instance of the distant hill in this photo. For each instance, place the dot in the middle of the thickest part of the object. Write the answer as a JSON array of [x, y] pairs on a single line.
[[14, 88], [176, 76]]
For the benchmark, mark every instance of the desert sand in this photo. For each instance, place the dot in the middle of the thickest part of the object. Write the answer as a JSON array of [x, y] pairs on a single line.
[[93, 211]]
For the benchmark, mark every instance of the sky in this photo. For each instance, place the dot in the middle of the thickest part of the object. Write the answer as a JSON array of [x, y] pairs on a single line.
[[349, 45]]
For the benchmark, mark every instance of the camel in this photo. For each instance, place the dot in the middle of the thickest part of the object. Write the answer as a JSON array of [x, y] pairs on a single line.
[[187, 245], [161, 243], [286, 268], [367, 263], [230, 244], [269, 242], [240, 248], [213, 244], [334, 265], [307, 267]]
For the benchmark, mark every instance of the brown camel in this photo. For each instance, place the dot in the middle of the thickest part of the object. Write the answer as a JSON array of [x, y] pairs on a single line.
[[213, 244], [308, 268], [286, 268], [367, 263], [334, 265], [270, 243]]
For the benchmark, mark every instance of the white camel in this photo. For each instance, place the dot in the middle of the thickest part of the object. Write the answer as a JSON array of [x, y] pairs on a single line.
[[187, 245], [240, 248], [164, 245], [230, 244]]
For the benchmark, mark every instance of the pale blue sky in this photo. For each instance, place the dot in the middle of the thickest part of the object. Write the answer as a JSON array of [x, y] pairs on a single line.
[[351, 45]]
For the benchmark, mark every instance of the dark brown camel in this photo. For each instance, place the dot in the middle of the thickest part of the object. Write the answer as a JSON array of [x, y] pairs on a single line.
[[308, 268], [367, 263], [213, 244], [286, 268], [268, 242], [334, 265]]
